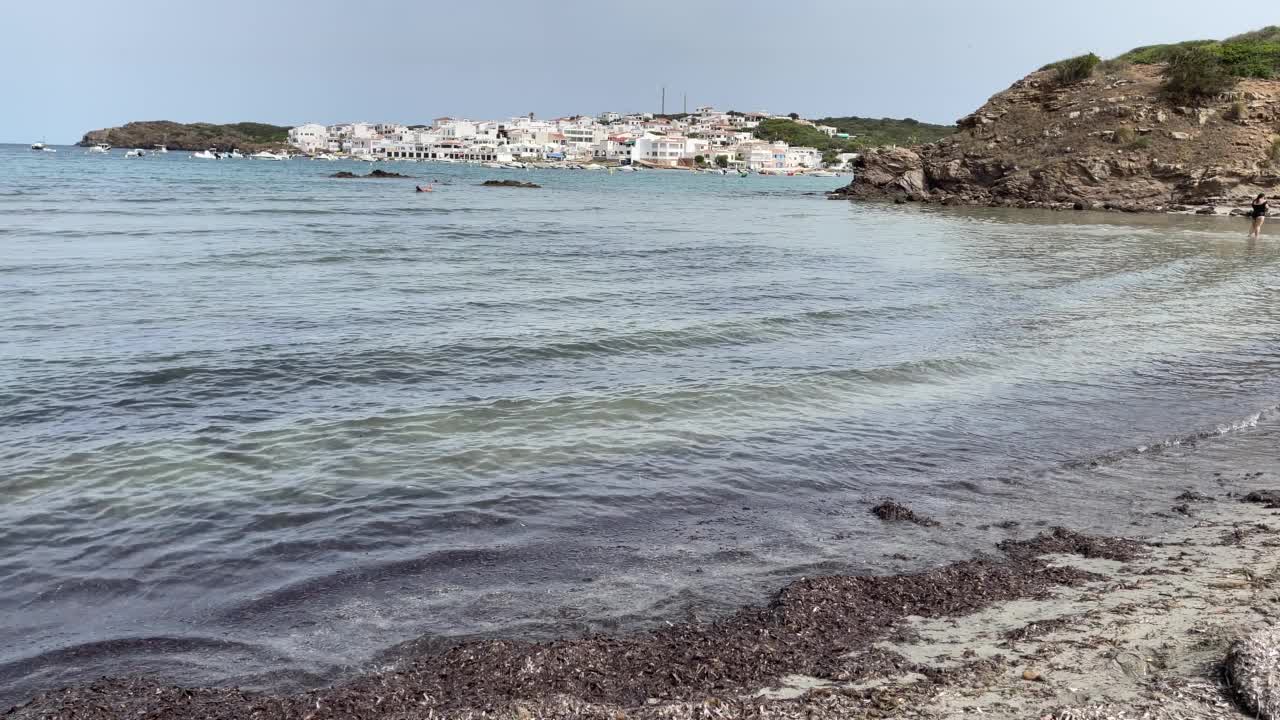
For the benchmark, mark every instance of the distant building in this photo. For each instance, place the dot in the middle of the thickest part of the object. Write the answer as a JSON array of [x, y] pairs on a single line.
[[310, 138]]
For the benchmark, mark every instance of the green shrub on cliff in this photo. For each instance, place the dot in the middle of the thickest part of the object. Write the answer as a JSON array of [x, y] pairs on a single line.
[[1125, 136], [1076, 69], [1254, 54], [1195, 73]]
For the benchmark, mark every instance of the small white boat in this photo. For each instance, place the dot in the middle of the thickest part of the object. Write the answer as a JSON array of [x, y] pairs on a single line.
[[821, 173], [38, 146], [100, 149], [204, 155], [162, 149], [266, 155], [236, 155], [135, 153], [626, 168]]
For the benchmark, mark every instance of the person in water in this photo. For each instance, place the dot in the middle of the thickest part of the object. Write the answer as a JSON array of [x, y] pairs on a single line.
[[419, 188], [1259, 215]]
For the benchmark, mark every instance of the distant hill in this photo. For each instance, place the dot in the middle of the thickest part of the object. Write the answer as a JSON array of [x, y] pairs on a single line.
[[878, 132], [191, 136], [865, 133]]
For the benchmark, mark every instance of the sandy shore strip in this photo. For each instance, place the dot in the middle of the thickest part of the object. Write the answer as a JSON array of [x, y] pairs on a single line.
[[1059, 626]]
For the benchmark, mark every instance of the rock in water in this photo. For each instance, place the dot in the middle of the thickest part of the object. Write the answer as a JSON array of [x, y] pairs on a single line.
[[1253, 668], [376, 174], [892, 511], [509, 183]]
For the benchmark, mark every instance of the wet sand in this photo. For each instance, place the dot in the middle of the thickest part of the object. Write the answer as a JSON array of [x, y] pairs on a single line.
[[1062, 625]]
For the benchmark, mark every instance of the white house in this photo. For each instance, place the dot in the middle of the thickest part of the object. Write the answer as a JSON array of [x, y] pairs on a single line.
[[760, 155], [805, 157], [309, 138]]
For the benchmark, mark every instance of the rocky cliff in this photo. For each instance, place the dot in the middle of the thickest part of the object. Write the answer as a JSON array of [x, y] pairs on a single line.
[[1110, 142], [251, 137]]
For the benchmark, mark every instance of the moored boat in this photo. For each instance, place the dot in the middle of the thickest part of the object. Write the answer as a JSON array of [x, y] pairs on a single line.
[[204, 155], [100, 149]]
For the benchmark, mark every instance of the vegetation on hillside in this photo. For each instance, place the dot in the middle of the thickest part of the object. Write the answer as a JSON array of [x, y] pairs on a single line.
[[1194, 69], [1195, 72], [864, 133], [877, 132], [1250, 55], [191, 136], [1074, 70]]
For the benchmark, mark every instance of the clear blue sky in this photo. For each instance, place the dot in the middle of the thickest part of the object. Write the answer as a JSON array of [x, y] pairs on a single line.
[[76, 65]]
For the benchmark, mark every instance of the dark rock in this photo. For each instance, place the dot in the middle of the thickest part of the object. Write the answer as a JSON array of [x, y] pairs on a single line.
[[1193, 496], [509, 183], [1270, 498], [892, 511], [376, 175]]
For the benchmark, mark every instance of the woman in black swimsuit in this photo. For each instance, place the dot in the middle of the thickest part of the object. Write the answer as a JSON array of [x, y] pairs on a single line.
[[1259, 215]]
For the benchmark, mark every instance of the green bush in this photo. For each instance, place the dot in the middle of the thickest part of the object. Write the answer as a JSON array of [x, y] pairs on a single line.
[[1114, 65], [1196, 73], [1254, 54], [1076, 69], [722, 161], [1153, 54], [1124, 136], [1237, 111], [1141, 143]]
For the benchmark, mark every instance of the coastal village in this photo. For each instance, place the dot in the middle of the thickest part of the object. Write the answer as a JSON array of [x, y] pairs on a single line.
[[707, 137]]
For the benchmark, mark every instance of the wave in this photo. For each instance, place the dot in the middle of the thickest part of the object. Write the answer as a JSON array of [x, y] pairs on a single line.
[[1245, 422]]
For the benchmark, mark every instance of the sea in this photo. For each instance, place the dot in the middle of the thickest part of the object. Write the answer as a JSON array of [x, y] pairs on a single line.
[[260, 426]]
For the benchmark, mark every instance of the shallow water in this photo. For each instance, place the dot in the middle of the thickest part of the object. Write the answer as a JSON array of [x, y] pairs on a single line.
[[261, 426]]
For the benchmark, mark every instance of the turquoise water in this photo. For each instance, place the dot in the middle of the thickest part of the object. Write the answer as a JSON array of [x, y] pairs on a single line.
[[262, 426]]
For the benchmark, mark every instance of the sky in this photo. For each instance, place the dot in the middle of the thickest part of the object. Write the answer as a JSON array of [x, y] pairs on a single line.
[[78, 65]]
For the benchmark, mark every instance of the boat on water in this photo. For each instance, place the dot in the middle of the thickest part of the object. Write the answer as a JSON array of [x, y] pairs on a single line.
[[822, 173], [100, 149], [38, 146], [204, 155], [267, 155], [135, 153], [162, 149], [236, 155]]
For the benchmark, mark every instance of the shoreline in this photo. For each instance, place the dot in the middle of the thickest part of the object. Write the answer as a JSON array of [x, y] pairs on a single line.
[[1228, 210], [1060, 625]]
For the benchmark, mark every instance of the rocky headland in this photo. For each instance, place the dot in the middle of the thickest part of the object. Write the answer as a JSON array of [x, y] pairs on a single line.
[[246, 136], [1114, 141]]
